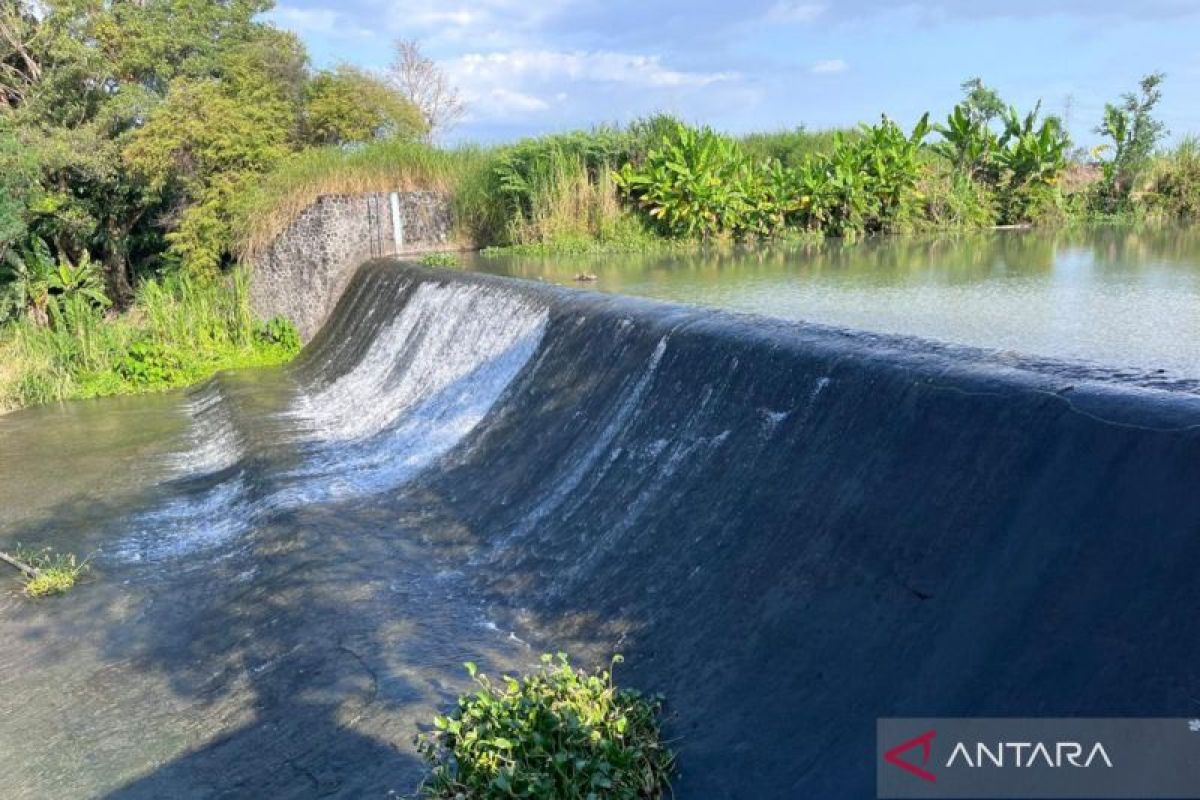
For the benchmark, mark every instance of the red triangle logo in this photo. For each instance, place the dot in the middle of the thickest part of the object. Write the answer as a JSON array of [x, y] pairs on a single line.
[[925, 742]]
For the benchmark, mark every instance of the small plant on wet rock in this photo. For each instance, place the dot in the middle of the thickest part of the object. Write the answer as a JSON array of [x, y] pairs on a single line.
[[559, 733], [279, 331]]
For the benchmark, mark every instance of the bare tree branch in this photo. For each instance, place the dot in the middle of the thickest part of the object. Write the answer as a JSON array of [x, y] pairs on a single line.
[[425, 84], [18, 67]]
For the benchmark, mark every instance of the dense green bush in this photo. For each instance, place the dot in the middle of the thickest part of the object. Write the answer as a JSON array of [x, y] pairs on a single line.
[[695, 183], [867, 184], [557, 734], [148, 364], [179, 330], [698, 183], [278, 332]]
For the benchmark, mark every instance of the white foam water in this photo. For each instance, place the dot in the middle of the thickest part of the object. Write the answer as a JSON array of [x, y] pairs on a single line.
[[213, 442], [423, 384], [453, 352]]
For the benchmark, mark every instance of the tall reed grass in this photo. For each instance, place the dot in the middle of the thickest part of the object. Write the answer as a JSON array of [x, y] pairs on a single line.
[[178, 331], [1173, 192]]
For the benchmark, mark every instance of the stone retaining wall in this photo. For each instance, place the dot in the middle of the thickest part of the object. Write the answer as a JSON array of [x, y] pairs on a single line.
[[303, 272]]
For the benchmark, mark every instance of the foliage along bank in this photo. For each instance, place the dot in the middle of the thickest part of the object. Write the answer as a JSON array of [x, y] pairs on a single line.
[[660, 182], [147, 148], [129, 135]]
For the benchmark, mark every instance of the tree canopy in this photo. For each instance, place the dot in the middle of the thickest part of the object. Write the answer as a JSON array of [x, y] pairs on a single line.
[[129, 127]]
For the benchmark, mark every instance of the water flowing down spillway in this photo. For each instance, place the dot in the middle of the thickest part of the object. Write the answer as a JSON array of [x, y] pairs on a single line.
[[789, 530]]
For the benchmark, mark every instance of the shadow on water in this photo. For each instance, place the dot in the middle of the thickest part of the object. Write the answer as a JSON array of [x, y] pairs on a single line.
[[297, 661], [297, 658]]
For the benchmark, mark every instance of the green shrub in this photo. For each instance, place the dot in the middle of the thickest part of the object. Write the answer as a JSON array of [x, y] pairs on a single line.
[[868, 184], [1031, 158], [1174, 187], [556, 734], [278, 331], [696, 183], [150, 365]]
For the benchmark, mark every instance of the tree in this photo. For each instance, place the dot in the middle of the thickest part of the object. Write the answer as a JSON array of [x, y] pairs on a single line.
[[348, 105], [18, 186], [981, 102], [79, 78], [19, 67], [1134, 133], [426, 85], [199, 149]]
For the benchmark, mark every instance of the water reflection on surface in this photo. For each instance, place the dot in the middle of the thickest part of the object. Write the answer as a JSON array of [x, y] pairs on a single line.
[[1119, 297]]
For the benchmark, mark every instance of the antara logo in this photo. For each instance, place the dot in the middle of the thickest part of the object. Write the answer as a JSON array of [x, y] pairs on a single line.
[[999, 754], [925, 742], [1030, 754]]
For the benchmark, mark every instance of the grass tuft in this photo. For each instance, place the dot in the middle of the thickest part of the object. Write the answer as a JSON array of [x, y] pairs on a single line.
[[57, 573]]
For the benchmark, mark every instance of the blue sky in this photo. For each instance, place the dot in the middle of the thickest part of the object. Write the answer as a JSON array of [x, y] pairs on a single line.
[[532, 66]]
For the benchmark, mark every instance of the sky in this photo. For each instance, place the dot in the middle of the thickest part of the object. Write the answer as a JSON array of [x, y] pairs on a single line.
[[535, 66]]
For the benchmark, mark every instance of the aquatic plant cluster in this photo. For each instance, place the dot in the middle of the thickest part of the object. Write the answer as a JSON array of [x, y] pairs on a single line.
[[44, 572], [554, 734]]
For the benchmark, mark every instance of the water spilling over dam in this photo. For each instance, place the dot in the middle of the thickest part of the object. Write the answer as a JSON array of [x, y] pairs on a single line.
[[789, 530]]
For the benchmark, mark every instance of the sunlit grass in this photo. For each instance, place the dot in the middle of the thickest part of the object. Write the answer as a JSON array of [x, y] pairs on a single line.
[[55, 573], [178, 332], [387, 166]]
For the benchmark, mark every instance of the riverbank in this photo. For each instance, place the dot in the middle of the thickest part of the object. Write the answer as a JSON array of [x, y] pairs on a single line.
[[659, 184], [176, 332]]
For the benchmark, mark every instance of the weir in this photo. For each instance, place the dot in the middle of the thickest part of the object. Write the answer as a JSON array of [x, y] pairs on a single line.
[[788, 530], [802, 529]]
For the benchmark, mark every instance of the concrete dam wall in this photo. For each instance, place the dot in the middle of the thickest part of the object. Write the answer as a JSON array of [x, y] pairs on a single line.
[[791, 531]]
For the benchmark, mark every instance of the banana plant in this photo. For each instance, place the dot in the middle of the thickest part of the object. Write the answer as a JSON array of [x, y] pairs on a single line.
[[694, 184], [967, 142], [27, 276]]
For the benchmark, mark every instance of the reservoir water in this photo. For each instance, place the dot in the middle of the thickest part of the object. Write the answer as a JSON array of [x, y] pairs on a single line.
[[789, 529], [1116, 297]]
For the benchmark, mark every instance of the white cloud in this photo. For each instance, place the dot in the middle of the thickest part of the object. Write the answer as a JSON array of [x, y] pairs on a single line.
[[598, 67], [498, 23], [461, 18], [511, 84], [830, 66], [507, 100], [795, 11], [315, 21]]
